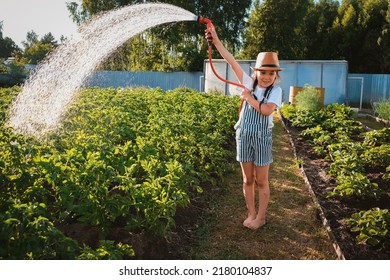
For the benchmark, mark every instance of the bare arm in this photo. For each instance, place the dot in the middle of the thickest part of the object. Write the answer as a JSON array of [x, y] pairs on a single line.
[[265, 109], [226, 54]]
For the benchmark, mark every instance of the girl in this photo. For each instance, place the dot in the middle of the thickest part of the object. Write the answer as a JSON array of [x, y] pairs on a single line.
[[254, 127]]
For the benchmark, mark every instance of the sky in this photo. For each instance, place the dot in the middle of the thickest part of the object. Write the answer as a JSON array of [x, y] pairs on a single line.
[[40, 16]]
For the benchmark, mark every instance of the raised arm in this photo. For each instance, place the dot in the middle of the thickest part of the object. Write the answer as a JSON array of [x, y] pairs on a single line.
[[225, 53]]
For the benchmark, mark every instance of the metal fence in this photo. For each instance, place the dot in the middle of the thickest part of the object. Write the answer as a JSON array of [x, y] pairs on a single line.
[[331, 75], [164, 80], [365, 89], [356, 90]]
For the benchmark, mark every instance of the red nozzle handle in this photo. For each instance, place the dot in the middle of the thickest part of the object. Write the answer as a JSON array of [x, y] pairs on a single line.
[[205, 21], [209, 25]]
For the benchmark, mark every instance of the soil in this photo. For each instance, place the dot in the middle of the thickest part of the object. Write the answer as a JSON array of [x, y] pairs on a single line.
[[336, 211]]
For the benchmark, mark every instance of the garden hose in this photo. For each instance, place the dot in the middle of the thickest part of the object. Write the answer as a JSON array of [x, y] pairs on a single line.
[[210, 51]]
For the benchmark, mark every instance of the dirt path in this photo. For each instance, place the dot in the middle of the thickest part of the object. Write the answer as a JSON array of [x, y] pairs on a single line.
[[293, 229]]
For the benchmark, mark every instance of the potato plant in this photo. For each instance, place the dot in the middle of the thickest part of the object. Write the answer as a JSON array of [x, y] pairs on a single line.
[[128, 156], [337, 137]]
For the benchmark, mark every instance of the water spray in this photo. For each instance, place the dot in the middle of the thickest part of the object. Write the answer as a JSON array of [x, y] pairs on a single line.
[[210, 50]]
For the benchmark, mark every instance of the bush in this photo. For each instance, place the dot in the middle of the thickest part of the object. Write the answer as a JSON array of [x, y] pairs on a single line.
[[382, 109], [308, 99]]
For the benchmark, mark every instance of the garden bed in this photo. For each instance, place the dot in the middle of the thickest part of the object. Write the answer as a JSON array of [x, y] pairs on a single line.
[[337, 210]]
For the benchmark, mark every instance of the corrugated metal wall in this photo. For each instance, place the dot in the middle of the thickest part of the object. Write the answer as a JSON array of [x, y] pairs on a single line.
[[164, 80], [357, 90], [363, 89]]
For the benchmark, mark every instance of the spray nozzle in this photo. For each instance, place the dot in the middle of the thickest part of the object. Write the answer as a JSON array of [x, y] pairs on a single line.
[[209, 25], [205, 21]]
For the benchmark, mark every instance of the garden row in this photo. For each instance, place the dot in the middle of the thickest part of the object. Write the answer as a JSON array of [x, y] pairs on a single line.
[[352, 156], [121, 157]]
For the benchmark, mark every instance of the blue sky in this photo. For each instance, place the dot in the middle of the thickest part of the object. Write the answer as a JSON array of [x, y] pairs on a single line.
[[41, 16]]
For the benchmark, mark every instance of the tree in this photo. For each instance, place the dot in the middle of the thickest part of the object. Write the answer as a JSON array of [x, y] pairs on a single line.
[[180, 47], [35, 50], [7, 45], [49, 39], [356, 30], [384, 42], [276, 25], [374, 23], [318, 31], [31, 39], [364, 41]]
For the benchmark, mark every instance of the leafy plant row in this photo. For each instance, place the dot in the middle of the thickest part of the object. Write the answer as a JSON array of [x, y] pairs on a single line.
[[121, 157], [335, 135]]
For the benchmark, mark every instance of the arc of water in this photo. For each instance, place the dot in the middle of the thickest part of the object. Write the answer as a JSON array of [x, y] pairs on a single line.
[[49, 90]]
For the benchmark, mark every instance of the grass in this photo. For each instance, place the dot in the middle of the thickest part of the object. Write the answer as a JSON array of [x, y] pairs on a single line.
[[293, 230], [370, 122]]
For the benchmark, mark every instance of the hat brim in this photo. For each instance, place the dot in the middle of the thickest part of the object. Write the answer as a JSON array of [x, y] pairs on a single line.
[[268, 68]]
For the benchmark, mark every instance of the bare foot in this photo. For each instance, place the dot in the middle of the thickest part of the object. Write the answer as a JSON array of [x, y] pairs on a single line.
[[256, 223], [249, 220]]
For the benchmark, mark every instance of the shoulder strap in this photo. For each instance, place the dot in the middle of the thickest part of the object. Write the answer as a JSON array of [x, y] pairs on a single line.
[[267, 92]]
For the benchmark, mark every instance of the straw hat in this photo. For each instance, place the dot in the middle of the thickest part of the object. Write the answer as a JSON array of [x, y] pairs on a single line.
[[267, 61]]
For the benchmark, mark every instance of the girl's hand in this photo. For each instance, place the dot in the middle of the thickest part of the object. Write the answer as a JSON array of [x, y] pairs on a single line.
[[245, 94], [211, 35]]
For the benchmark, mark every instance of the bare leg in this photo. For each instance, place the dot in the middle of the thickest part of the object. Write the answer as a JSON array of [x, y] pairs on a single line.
[[248, 189], [264, 196]]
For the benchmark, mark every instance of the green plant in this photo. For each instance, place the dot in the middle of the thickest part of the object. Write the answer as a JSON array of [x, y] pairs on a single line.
[[107, 250], [355, 184], [334, 133], [128, 156], [3, 68], [377, 156], [372, 226], [27, 232], [308, 99], [306, 119], [288, 111], [377, 137], [386, 176], [382, 109]]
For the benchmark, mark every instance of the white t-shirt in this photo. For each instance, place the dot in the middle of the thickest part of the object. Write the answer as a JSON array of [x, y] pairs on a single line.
[[275, 96]]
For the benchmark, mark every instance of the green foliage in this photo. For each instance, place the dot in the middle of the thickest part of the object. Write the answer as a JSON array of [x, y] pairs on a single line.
[[339, 138], [3, 68], [382, 109], [331, 131], [272, 23], [107, 250], [311, 29], [355, 184], [132, 156], [386, 176], [346, 158], [377, 137], [288, 111], [182, 46], [7, 45], [308, 99], [27, 232], [372, 226], [37, 52]]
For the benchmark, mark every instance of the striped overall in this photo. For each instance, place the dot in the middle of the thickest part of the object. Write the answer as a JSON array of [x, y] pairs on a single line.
[[254, 136]]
